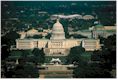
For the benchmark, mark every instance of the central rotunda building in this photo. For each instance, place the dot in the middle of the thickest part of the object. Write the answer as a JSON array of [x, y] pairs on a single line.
[[58, 31], [57, 45]]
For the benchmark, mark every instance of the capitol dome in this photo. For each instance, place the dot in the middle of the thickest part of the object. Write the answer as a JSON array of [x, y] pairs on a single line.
[[58, 26], [58, 31]]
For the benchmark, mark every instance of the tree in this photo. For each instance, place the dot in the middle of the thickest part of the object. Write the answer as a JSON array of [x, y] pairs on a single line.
[[109, 52], [107, 56], [110, 42], [37, 36], [9, 38], [79, 36], [4, 52], [96, 55], [16, 53], [25, 71], [94, 70], [102, 39], [90, 70], [85, 69], [25, 53], [48, 36], [75, 54], [67, 35], [24, 57], [39, 55]]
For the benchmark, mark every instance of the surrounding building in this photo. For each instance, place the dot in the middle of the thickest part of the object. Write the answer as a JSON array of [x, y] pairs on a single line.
[[104, 31], [86, 33], [96, 31], [33, 32], [57, 45]]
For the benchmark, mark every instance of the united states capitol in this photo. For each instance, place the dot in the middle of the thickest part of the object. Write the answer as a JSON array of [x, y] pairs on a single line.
[[57, 45]]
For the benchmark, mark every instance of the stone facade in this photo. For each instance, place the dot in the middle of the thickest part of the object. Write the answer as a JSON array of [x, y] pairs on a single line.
[[57, 45]]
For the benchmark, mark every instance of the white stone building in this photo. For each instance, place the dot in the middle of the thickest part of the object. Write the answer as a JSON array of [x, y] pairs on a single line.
[[57, 45]]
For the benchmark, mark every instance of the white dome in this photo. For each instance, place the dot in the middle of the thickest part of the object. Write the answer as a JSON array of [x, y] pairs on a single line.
[[58, 26], [58, 31]]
